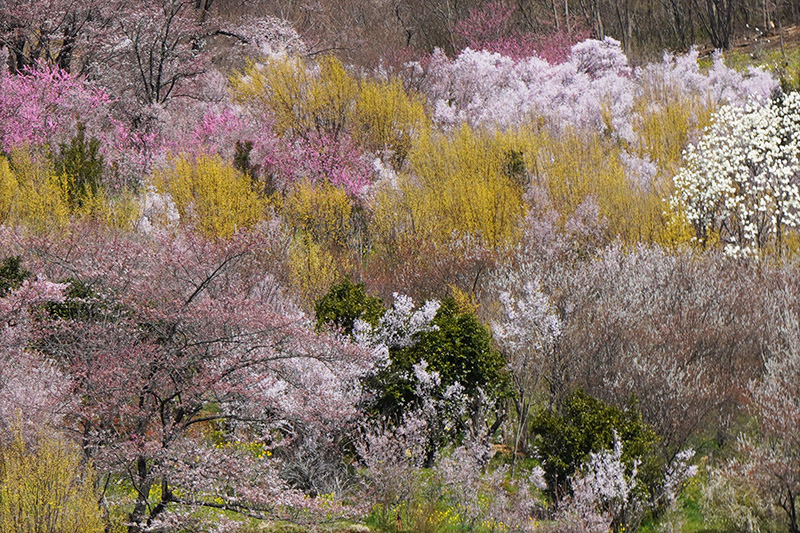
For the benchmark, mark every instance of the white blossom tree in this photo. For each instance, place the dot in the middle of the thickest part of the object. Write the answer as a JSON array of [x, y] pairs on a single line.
[[741, 181]]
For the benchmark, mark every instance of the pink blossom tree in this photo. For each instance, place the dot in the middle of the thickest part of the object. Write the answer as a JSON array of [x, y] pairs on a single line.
[[34, 393], [194, 369], [45, 105], [491, 27]]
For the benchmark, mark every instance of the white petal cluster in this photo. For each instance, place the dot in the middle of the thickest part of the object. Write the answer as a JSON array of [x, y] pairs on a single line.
[[742, 179], [606, 474], [398, 325], [595, 88], [157, 209]]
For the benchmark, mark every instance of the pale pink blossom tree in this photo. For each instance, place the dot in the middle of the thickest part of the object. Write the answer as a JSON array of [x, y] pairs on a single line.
[[194, 369]]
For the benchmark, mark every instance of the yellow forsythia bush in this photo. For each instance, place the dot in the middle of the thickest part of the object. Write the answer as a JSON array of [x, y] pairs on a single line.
[[574, 165], [312, 268], [47, 488], [457, 184], [33, 195], [300, 95], [210, 194], [665, 120], [320, 210], [304, 96], [387, 118], [8, 189]]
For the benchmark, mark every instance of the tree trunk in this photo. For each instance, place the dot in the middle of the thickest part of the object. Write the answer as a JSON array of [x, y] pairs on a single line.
[[555, 15], [137, 516], [522, 415]]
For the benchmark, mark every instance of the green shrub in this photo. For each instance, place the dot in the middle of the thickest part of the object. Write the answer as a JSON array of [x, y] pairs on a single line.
[[11, 275], [81, 164], [459, 348], [345, 302], [583, 425]]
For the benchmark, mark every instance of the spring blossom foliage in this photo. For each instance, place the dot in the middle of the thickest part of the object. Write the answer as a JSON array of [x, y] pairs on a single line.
[[742, 179]]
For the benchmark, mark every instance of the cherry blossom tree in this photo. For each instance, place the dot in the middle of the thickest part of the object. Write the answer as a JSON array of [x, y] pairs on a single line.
[[154, 53], [194, 369], [594, 88], [34, 392], [528, 335]]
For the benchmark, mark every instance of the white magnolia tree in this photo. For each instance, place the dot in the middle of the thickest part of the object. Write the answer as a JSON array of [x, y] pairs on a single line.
[[741, 181]]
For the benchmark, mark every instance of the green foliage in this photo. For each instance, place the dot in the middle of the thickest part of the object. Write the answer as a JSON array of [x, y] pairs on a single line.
[[564, 439], [11, 275], [80, 303], [344, 303], [515, 167], [459, 349], [82, 166]]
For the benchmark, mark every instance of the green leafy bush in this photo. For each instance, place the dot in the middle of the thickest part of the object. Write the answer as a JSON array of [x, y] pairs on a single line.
[[583, 425], [11, 275], [82, 165], [458, 347], [345, 302]]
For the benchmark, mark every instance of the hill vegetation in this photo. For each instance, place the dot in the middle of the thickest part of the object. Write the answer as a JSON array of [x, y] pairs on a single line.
[[465, 266]]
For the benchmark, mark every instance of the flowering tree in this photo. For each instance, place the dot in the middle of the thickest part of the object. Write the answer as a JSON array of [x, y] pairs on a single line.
[[440, 361], [193, 369], [59, 32], [33, 391], [489, 28], [593, 88], [43, 105], [492, 27], [601, 493], [770, 462], [741, 181], [393, 455], [155, 52], [528, 335], [47, 106], [481, 494]]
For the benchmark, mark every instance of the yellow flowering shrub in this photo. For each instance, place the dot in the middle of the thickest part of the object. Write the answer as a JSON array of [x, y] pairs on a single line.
[[320, 210], [576, 165], [47, 487], [33, 195], [301, 95], [457, 184], [386, 117], [312, 268], [210, 194]]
